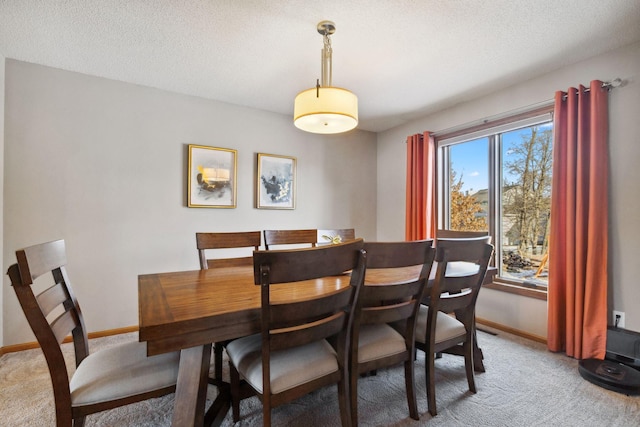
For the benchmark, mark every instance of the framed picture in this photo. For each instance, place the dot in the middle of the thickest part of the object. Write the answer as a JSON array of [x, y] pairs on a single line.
[[212, 177], [276, 182]]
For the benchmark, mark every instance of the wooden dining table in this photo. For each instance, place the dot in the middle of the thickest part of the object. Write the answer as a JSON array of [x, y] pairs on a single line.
[[187, 311]]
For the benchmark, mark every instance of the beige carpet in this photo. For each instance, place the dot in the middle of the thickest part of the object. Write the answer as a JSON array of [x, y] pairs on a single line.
[[524, 385]]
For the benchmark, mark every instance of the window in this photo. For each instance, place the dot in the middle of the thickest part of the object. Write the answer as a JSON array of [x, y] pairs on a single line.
[[497, 178]]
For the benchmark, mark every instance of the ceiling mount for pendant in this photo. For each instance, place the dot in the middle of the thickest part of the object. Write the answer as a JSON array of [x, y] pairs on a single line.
[[326, 28], [324, 108]]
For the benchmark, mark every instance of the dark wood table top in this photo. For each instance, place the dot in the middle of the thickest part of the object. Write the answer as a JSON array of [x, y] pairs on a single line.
[[189, 308]]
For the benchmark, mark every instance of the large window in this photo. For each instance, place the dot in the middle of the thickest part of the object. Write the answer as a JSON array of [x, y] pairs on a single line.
[[498, 179]]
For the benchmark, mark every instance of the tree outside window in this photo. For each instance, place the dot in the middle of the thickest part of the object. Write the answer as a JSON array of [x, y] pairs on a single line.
[[520, 185]]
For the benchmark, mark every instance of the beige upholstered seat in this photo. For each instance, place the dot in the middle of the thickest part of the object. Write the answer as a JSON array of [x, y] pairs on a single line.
[[452, 294], [289, 369], [303, 344], [108, 374], [447, 326], [103, 380]]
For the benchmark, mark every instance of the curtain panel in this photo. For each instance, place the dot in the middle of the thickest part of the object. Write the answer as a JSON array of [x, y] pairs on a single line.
[[578, 249], [420, 220]]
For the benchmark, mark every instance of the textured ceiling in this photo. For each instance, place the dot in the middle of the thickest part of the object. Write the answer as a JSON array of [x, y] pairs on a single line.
[[403, 58]]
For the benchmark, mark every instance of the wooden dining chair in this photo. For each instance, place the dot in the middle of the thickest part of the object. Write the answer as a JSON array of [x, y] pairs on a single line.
[[303, 343], [333, 236], [449, 318], [107, 379], [384, 317], [469, 236], [208, 242], [457, 234], [290, 237]]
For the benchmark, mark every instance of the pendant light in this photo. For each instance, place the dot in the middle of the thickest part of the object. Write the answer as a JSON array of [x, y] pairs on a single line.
[[326, 109]]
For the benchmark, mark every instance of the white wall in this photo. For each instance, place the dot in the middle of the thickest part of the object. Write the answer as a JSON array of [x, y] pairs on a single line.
[[102, 164], [519, 312], [2, 61]]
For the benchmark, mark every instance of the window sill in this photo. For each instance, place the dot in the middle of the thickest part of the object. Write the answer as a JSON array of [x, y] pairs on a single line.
[[511, 288]]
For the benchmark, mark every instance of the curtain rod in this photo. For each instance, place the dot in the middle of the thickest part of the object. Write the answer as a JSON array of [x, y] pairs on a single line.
[[609, 85], [617, 82]]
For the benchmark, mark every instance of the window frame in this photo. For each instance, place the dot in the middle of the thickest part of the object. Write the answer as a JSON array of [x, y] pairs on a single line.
[[489, 128]]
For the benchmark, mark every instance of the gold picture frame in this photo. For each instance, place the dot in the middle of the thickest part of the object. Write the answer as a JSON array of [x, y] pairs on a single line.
[[212, 177], [276, 182]]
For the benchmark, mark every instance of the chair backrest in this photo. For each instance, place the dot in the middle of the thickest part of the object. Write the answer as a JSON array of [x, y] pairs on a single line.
[[337, 235], [290, 237], [294, 323], [455, 234], [243, 239], [393, 302], [465, 236], [462, 266], [34, 262]]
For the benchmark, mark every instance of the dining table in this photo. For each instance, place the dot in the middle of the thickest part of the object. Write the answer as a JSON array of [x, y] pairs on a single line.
[[187, 311]]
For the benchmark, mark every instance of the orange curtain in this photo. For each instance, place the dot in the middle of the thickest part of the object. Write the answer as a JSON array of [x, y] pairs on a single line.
[[420, 220], [577, 297]]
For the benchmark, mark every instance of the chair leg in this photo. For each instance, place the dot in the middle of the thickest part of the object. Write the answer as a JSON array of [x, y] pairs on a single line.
[[217, 357], [429, 365], [235, 392], [353, 395], [343, 400], [409, 379], [78, 422], [468, 362], [266, 413], [478, 364]]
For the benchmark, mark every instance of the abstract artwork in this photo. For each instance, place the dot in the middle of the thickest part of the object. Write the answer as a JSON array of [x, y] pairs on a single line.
[[276, 182], [212, 177]]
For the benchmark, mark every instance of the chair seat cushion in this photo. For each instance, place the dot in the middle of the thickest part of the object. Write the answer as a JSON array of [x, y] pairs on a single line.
[[461, 269], [379, 341], [289, 368], [447, 327], [122, 371]]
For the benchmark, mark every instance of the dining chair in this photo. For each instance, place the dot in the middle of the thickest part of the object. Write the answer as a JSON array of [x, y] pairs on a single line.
[[103, 380], [207, 242], [457, 234], [290, 237], [449, 318], [384, 316], [338, 235], [469, 236], [303, 342]]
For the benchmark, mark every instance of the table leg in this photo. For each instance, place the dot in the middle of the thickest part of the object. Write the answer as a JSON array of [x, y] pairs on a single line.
[[191, 389], [219, 408]]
